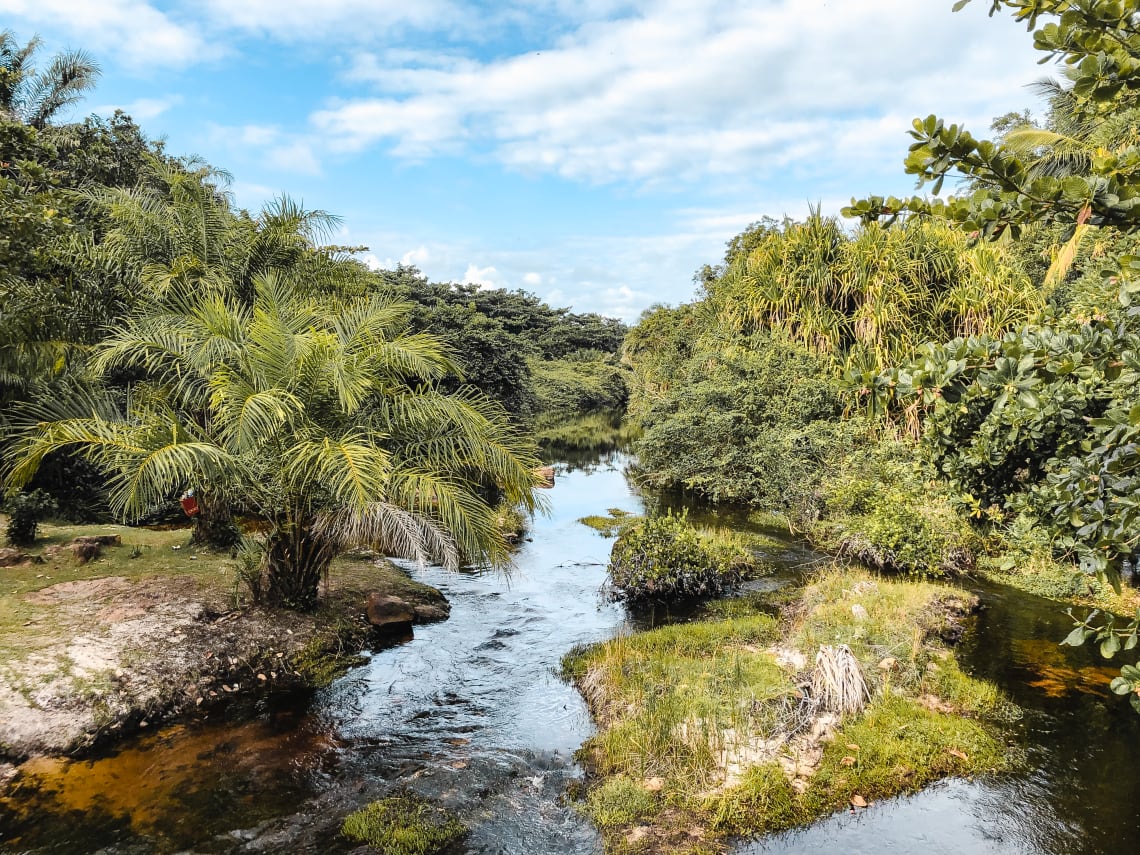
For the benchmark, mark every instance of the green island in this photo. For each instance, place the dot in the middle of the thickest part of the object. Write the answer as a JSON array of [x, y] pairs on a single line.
[[230, 447]]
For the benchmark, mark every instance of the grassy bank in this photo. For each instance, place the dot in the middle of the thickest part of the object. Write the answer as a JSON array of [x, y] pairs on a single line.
[[709, 729]]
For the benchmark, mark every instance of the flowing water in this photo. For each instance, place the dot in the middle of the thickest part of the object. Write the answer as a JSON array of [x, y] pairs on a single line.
[[471, 712]]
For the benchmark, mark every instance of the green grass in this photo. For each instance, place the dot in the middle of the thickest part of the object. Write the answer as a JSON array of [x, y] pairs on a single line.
[[677, 702], [403, 824], [613, 524], [619, 802]]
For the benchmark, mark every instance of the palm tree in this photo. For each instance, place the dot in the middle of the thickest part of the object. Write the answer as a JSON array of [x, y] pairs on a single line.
[[867, 300], [323, 418], [34, 98]]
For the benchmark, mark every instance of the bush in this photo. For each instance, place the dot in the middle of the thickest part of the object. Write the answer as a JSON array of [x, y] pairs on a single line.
[[755, 425], [877, 508], [25, 510], [665, 558]]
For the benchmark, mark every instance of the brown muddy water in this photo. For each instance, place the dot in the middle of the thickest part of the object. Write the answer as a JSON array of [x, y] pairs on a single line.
[[472, 712]]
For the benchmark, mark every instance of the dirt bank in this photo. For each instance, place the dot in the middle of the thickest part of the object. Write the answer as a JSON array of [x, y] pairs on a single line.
[[114, 648]]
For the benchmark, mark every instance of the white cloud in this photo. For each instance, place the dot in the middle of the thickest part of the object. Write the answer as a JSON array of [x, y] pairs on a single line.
[[141, 108], [417, 257], [695, 88], [294, 157], [133, 31], [485, 277], [532, 279], [308, 19]]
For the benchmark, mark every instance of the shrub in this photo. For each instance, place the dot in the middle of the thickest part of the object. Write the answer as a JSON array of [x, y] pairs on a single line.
[[878, 509], [25, 510], [758, 424], [661, 559]]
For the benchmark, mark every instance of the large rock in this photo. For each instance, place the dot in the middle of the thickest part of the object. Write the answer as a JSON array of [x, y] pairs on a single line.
[[11, 557], [389, 613], [432, 612]]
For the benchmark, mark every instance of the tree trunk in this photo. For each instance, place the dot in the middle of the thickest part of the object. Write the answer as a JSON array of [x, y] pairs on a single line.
[[214, 526], [295, 563]]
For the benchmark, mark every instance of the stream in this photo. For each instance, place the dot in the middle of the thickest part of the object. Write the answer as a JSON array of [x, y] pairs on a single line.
[[471, 712]]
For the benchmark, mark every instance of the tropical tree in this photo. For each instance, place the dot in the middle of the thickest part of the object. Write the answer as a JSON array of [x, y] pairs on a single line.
[[36, 97], [866, 300], [1064, 390], [317, 414]]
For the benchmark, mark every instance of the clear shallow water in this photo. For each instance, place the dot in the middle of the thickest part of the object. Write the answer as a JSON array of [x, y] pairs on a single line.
[[471, 712]]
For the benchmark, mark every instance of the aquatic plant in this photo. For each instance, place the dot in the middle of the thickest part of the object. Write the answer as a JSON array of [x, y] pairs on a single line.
[[403, 824]]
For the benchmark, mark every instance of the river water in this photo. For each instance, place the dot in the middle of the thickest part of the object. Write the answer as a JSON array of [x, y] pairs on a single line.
[[471, 712]]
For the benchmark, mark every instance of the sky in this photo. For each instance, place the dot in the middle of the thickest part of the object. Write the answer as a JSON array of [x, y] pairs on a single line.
[[593, 152]]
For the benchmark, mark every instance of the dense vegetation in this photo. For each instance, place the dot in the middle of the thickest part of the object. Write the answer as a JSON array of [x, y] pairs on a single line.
[[982, 348], [157, 342]]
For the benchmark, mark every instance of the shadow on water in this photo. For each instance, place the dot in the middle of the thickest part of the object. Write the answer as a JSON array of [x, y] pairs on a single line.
[[471, 712]]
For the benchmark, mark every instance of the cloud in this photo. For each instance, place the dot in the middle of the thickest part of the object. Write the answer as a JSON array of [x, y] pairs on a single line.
[[141, 108], [687, 89], [309, 19], [484, 277], [418, 257], [532, 279], [133, 31], [294, 157]]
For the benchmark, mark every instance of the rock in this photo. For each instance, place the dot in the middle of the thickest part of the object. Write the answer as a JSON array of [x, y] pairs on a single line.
[[653, 785], [389, 613], [101, 539], [432, 612], [546, 473], [84, 550], [889, 664], [10, 557]]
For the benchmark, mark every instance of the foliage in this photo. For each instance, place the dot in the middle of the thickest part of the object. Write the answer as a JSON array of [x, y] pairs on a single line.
[[501, 338], [665, 558], [585, 382], [878, 508], [866, 300], [25, 510], [303, 412], [1050, 409], [403, 824], [34, 97], [613, 524], [756, 423]]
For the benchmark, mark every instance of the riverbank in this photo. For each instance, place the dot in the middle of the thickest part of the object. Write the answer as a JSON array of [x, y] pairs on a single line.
[[716, 728], [151, 629]]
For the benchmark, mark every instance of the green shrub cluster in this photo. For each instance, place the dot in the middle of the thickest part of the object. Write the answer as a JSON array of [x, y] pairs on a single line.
[[878, 508], [665, 558], [25, 511], [756, 424], [584, 382]]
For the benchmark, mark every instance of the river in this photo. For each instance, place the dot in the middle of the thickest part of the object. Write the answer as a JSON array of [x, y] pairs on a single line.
[[471, 712]]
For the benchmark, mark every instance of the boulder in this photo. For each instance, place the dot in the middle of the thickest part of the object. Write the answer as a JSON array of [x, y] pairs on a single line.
[[432, 612], [10, 557], [389, 613], [546, 473]]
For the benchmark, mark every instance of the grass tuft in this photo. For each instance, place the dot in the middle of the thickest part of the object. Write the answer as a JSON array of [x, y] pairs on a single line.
[[403, 824]]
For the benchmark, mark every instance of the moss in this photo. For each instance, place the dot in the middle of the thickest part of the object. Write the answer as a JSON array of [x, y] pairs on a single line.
[[613, 524], [403, 824], [332, 651]]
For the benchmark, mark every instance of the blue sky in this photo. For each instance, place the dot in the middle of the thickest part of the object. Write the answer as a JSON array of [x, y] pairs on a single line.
[[594, 152]]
